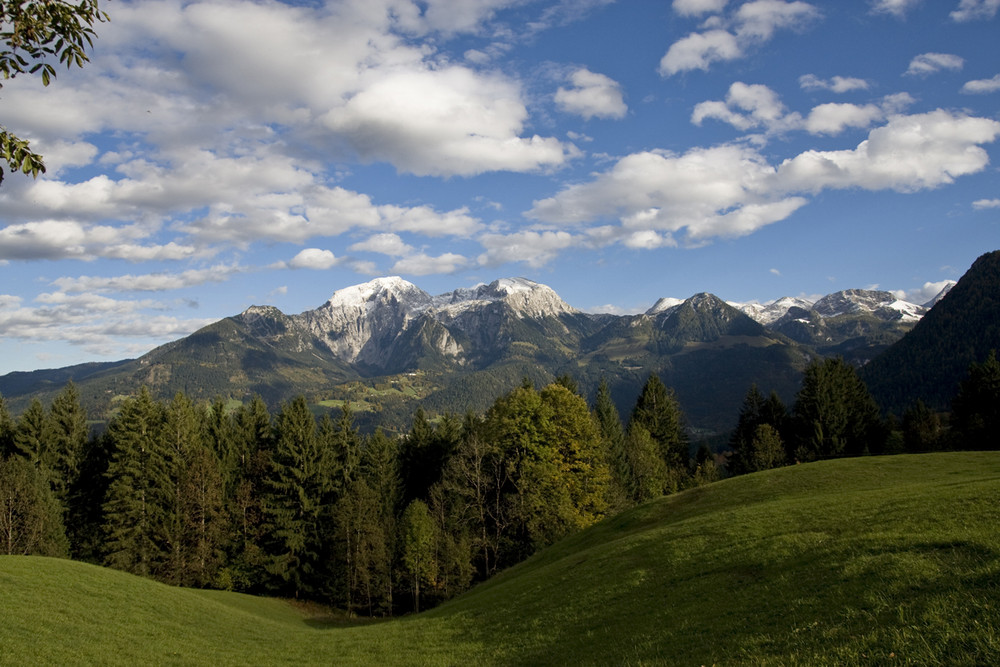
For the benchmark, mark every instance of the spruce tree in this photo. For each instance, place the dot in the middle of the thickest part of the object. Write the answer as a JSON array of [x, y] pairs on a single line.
[[975, 411], [66, 436], [834, 413], [613, 433], [658, 411], [6, 430], [138, 507], [295, 506]]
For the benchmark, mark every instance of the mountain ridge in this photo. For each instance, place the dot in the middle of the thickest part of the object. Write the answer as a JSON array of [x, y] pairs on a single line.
[[459, 350]]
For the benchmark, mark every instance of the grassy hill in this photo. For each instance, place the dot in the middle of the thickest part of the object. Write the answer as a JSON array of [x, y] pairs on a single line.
[[861, 561]]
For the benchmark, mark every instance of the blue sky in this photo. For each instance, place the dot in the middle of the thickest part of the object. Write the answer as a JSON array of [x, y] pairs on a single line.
[[223, 153]]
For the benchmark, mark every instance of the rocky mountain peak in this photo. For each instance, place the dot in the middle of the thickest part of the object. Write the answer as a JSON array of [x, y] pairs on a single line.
[[525, 297], [380, 291], [882, 304]]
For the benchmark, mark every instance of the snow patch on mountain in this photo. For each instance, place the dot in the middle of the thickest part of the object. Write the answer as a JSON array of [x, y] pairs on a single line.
[[666, 305], [769, 312]]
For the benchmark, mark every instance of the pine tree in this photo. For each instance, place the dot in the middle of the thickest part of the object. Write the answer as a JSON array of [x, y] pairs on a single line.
[[29, 437], [834, 413], [252, 437], [137, 509], [613, 433], [6, 430], [295, 507], [658, 411], [975, 411], [65, 434], [755, 411]]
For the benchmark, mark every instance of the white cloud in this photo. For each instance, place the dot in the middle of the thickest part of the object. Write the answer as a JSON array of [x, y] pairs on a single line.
[[150, 282], [756, 106], [698, 7], [730, 190], [981, 204], [972, 10], [980, 86], [313, 258], [834, 118], [101, 325], [386, 244], [592, 95], [897, 8], [837, 84], [531, 247], [929, 63], [922, 295], [909, 153], [699, 51], [728, 39], [422, 264], [443, 122]]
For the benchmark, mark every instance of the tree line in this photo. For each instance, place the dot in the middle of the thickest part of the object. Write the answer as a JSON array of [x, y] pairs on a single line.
[[290, 505]]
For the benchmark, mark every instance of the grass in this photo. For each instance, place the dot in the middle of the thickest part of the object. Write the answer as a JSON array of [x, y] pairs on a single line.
[[891, 560]]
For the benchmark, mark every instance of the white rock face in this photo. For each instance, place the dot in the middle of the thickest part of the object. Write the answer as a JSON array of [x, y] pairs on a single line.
[[525, 297], [354, 317], [883, 305], [664, 304], [772, 311]]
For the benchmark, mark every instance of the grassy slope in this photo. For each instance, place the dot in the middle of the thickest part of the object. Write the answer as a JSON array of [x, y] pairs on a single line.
[[863, 561]]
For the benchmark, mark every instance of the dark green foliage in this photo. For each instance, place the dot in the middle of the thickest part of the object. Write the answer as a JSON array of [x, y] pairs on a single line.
[[30, 516], [834, 414], [296, 503], [756, 411], [975, 412], [932, 359], [65, 435], [138, 505], [418, 547], [29, 436], [6, 430], [921, 429], [659, 413]]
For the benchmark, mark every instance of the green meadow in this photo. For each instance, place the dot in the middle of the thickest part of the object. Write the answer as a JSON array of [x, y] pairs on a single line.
[[880, 560]]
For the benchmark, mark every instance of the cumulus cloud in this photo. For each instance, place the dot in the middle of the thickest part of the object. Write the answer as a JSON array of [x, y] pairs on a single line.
[[975, 10], [981, 204], [909, 153], [836, 84], [534, 248], [443, 122], [930, 63], [925, 293], [386, 244], [732, 190], [982, 86], [728, 39], [422, 264], [592, 95], [756, 106], [698, 7], [313, 258]]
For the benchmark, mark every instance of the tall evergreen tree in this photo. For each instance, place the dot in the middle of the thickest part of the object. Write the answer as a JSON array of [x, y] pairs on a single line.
[[65, 433], [613, 433], [834, 413], [6, 430], [252, 436], [755, 412], [29, 437], [137, 509], [975, 410], [658, 411], [295, 507]]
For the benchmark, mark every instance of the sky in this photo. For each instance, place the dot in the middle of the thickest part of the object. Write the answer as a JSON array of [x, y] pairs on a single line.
[[218, 154]]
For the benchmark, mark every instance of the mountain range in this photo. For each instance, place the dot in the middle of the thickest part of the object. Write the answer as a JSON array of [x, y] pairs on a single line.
[[387, 346]]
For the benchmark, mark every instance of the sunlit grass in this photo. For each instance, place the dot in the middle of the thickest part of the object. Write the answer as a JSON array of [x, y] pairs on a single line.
[[892, 560]]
